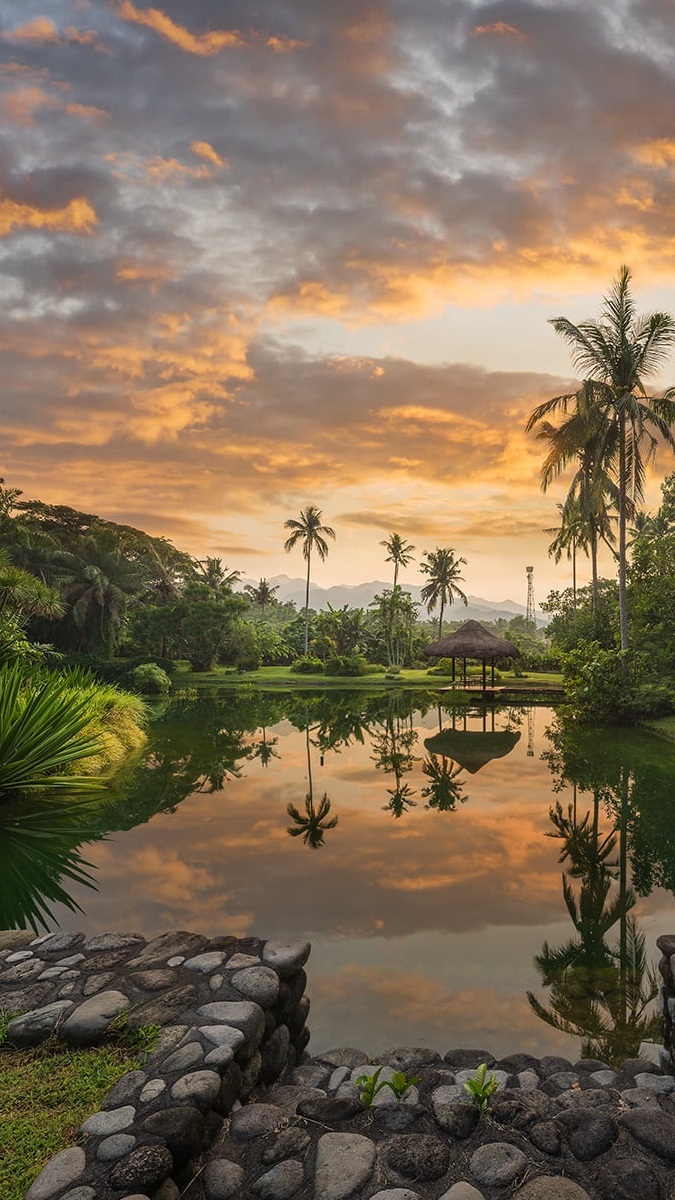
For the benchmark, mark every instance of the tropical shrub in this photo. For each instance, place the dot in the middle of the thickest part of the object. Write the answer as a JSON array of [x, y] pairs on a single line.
[[149, 679], [596, 688], [307, 664], [346, 664], [45, 729]]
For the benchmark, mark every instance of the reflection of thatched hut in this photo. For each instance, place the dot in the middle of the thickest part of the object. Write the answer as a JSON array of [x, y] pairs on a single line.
[[470, 748], [473, 640]]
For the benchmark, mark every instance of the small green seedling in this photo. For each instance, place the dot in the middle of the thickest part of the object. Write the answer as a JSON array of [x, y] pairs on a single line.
[[481, 1087], [369, 1087]]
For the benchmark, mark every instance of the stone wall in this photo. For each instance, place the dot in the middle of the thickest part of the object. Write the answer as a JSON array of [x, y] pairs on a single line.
[[666, 944], [233, 1015]]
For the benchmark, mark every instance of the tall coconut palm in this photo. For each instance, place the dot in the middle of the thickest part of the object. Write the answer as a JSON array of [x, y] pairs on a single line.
[[616, 354], [400, 553], [311, 534], [443, 588], [582, 439]]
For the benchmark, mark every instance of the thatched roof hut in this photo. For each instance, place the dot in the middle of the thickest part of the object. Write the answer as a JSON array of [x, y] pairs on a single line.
[[472, 640]]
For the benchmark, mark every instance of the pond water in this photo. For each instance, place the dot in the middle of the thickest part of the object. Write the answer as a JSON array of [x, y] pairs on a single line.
[[443, 863]]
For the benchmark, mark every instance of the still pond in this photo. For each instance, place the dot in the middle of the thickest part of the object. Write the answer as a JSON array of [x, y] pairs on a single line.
[[467, 877]]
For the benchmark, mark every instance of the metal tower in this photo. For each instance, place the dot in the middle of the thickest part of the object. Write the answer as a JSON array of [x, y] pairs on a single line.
[[529, 611]]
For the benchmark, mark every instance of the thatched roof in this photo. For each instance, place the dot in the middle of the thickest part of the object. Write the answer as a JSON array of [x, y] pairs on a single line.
[[470, 748], [472, 640]]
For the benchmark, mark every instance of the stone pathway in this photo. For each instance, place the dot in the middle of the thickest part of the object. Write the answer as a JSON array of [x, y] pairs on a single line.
[[557, 1131]]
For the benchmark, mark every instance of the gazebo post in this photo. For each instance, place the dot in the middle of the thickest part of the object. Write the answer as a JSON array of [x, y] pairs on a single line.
[[492, 664], [464, 661], [484, 678], [453, 670]]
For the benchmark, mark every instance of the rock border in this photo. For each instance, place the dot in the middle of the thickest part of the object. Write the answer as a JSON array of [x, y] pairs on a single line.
[[233, 1014]]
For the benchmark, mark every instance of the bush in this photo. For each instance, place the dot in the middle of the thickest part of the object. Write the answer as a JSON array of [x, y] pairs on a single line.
[[346, 664], [307, 665], [595, 685], [653, 700], [149, 680], [442, 667]]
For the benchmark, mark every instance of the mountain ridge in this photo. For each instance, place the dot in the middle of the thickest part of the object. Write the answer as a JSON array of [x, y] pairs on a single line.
[[360, 595]]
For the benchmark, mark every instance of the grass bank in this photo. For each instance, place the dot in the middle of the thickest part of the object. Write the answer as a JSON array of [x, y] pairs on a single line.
[[549, 684], [45, 1095]]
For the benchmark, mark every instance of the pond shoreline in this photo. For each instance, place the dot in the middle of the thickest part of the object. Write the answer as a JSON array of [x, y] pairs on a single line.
[[228, 1100]]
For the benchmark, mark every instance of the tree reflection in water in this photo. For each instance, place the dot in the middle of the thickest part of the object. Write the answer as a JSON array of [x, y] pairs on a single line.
[[445, 788], [40, 855], [600, 992], [313, 824]]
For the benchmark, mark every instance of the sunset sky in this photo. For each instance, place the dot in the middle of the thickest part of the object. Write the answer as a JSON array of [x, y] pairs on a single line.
[[257, 256]]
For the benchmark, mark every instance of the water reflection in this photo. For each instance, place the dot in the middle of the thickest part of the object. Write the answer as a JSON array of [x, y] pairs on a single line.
[[313, 824], [435, 922], [603, 993], [40, 856]]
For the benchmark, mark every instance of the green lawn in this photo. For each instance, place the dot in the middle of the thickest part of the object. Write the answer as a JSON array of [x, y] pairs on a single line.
[[663, 726], [280, 678], [45, 1095]]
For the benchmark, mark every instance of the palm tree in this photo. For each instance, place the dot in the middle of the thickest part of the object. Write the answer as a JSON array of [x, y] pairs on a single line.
[[218, 578], [581, 439], [443, 570], [312, 535], [569, 537], [262, 595], [400, 553], [616, 354]]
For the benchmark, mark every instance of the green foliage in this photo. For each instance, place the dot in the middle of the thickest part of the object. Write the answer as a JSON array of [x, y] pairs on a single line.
[[308, 664], [346, 664], [481, 1088], [43, 724], [393, 618], [595, 685], [149, 679], [370, 1086], [144, 1040], [574, 623]]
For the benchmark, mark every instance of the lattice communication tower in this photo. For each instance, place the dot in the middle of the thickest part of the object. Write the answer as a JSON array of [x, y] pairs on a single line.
[[529, 611]]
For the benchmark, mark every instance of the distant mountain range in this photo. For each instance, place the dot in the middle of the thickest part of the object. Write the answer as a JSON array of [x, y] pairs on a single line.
[[360, 595]]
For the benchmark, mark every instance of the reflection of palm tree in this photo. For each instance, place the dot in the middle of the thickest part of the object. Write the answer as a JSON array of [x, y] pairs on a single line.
[[264, 750], [444, 790], [393, 747], [401, 799], [598, 992], [312, 825]]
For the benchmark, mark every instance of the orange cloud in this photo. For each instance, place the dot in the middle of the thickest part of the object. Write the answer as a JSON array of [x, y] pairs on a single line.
[[204, 44], [42, 30], [161, 169], [206, 151], [499, 29], [657, 152], [21, 105], [77, 216]]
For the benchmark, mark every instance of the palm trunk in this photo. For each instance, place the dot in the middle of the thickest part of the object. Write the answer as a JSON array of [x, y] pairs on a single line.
[[574, 573], [623, 601], [440, 620], [395, 572], [309, 555], [594, 567]]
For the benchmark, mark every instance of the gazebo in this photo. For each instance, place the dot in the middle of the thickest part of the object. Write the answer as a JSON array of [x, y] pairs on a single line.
[[473, 640]]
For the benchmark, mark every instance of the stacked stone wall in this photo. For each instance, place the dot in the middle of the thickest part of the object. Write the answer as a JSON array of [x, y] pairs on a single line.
[[666, 944], [233, 1016]]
